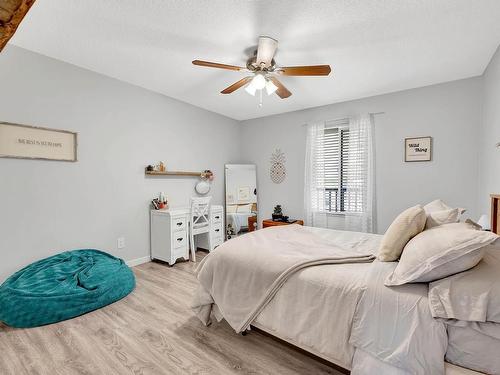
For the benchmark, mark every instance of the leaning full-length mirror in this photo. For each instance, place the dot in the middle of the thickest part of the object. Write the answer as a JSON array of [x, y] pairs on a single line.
[[241, 199]]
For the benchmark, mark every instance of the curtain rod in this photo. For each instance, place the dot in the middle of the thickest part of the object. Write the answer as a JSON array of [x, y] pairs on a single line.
[[347, 118]]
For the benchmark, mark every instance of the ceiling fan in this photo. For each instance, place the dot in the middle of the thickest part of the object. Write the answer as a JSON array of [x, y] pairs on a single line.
[[265, 71]]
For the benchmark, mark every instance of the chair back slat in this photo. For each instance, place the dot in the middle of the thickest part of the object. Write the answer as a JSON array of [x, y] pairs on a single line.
[[200, 211]]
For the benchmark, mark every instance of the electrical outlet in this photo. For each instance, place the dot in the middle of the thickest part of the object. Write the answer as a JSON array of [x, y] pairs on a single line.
[[120, 242]]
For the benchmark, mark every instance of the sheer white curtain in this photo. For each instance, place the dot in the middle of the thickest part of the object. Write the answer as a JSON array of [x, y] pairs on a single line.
[[314, 184], [356, 186], [360, 205]]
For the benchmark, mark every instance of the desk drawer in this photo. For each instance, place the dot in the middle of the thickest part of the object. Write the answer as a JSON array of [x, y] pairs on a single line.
[[216, 217], [179, 239], [217, 231], [178, 224]]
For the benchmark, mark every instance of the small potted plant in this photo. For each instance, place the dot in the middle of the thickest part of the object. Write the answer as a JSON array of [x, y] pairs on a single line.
[[278, 213]]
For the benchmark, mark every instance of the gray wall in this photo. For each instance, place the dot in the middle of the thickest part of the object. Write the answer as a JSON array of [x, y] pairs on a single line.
[[489, 161], [450, 113], [47, 206]]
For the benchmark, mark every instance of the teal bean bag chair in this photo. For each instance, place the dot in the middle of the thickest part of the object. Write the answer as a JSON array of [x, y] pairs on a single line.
[[63, 286]]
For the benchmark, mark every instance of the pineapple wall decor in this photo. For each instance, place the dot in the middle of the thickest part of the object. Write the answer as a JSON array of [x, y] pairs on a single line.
[[277, 170]]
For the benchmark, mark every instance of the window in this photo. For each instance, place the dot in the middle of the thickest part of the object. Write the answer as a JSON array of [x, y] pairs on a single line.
[[335, 155], [339, 173]]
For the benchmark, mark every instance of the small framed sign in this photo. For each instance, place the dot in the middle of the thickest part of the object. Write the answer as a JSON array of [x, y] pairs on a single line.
[[418, 149], [30, 142], [243, 194]]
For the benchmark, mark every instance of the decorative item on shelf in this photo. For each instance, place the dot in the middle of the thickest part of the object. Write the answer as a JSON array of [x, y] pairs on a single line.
[[207, 174], [278, 170], [418, 149], [161, 167], [202, 187], [278, 213], [150, 168]]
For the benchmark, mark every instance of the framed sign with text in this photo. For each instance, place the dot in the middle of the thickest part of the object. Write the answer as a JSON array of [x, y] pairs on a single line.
[[418, 149], [30, 142]]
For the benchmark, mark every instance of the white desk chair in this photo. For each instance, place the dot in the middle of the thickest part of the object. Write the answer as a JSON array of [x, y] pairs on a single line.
[[199, 221]]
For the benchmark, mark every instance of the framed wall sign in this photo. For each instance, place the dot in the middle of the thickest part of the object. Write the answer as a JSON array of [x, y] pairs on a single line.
[[30, 142], [243, 194], [418, 149]]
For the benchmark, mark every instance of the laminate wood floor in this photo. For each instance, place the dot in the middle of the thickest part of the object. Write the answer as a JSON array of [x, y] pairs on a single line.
[[151, 331]]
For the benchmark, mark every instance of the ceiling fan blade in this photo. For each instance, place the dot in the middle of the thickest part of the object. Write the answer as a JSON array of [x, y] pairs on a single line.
[[235, 86], [217, 65], [312, 70], [282, 91], [266, 50]]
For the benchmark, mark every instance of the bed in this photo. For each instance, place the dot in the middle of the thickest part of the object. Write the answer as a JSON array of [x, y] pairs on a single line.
[[333, 310]]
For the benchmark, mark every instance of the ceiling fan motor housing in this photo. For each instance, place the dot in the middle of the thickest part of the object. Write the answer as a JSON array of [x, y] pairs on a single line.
[[254, 67]]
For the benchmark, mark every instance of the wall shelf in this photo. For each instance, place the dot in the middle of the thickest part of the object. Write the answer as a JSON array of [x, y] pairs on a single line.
[[173, 173]]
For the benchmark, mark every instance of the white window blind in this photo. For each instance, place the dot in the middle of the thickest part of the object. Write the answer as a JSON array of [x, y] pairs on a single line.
[[335, 156]]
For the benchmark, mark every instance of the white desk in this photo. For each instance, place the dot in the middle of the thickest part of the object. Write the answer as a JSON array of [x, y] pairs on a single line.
[[170, 235]]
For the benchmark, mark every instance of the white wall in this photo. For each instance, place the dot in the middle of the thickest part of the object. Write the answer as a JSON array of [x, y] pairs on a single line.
[[450, 113], [489, 161], [47, 206]]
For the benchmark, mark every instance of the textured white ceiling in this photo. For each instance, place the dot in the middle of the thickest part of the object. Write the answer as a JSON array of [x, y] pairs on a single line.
[[373, 46]]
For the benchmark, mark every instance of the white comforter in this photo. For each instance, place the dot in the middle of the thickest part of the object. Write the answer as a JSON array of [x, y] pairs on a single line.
[[333, 309]]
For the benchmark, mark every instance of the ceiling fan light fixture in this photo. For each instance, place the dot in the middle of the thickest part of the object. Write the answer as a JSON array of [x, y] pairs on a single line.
[[271, 88], [250, 89], [259, 82]]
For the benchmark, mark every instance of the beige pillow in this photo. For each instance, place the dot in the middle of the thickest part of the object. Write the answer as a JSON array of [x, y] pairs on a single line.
[[407, 225], [439, 213], [442, 217], [231, 208], [440, 252]]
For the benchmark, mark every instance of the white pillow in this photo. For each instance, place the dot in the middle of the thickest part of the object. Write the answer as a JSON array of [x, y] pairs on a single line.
[[244, 208], [408, 224], [439, 213], [473, 295], [231, 208], [440, 252]]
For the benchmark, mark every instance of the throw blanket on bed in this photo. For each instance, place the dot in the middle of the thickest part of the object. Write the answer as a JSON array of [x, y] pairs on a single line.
[[242, 276]]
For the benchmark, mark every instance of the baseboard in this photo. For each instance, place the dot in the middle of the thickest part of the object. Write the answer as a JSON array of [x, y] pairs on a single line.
[[137, 261]]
